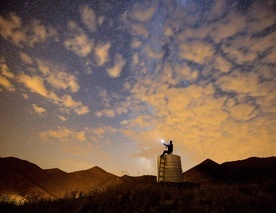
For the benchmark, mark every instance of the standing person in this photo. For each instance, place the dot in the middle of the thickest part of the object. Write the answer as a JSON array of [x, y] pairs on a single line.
[[170, 149]]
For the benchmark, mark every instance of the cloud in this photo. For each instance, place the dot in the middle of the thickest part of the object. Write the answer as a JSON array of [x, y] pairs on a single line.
[[25, 58], [63, 133], [4, 82], [260, 16], [245, 49], [88, 17], [136, 43], [39, 33], [25, 96], [5, 71], [222, 64], [68, 102], [62, 118], [56, 78], [111, 111], [139, 29], [242, 83], [196, 51], [227, 27], [105, 112], [152, 54], [97, 134], [217, 10], [62, 80], [80, 44], [184, 72], [36, 85], [78, 41], [101, 52], [101, 19], [6, 75], [12, 29], [135, 59], [242, 112], [144, 14], [39, 110], [112, 105], [116, 70]]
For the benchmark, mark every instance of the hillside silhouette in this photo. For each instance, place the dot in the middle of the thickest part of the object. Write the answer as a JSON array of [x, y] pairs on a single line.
[[250, 170], [27, 179], [244, 181], [239, 186]]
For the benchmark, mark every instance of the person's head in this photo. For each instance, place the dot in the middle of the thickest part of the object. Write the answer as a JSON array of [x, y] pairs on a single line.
[[170, 142]]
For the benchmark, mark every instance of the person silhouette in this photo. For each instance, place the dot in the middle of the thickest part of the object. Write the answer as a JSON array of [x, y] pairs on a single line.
[[170, 149]]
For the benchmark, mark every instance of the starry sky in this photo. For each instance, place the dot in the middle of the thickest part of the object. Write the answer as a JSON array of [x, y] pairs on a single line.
[[101, 82]]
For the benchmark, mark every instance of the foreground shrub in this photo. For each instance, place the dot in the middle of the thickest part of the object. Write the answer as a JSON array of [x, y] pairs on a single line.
[[154, 197]]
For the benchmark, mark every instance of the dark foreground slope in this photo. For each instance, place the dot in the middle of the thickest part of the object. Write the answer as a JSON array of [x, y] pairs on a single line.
[[27, 179], [228, 189], [251, 170], [154, 197]]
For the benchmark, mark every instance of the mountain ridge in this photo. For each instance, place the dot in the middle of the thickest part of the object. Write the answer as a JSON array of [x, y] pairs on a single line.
[[27, 179], [253, 169]]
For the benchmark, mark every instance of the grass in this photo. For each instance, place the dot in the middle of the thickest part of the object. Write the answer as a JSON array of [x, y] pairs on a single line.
[[154, 197]]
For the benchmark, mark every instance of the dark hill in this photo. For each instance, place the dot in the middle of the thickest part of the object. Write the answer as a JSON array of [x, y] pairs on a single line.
[[250, 170], [207, 171], [25, 178], [243, 171]]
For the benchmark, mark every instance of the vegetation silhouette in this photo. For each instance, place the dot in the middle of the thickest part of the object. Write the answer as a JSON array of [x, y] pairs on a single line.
[[155, 197]]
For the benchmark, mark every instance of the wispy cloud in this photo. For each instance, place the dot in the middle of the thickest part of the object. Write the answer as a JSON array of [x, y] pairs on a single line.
[[139, 29], [119, 64], [143, 14], [62, 118], [4, 82], [39, 110], [88, 17], [78, 41], [68, 102], [57, 78], [13, 30], [36, 85], [197, 51], [6, 75], [26, 58], [101, 52], [63, 134]]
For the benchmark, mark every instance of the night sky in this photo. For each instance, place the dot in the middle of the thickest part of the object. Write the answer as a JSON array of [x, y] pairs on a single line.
[[100, 83]]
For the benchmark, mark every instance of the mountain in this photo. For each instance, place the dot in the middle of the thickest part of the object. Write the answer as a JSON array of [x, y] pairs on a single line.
[[250, 170], [27, 179], [22, 179], [243, 171], [207, 171]]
